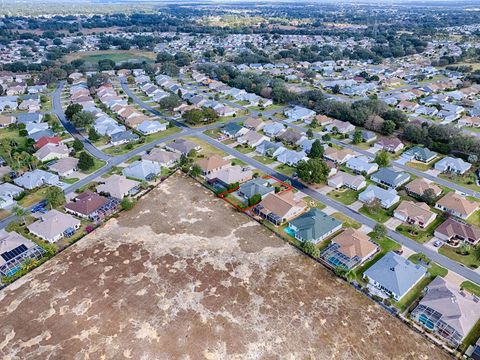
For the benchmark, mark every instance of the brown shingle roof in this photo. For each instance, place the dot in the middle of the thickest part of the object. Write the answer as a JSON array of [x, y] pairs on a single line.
[[354, 243], [418, 187], [458, 203], [212, 163], [86, 203]]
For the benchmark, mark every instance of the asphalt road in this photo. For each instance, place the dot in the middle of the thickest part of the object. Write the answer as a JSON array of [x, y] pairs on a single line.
[[403, 240], [404, 167], [115, 161], [58, 110]]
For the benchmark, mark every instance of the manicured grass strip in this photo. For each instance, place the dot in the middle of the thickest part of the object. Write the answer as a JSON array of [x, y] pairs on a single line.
[[346, 197], [379, 215], [471, 287], [414, 293], [347, 222], [263, 159], [285, 169], [433, 269], [469, 259]]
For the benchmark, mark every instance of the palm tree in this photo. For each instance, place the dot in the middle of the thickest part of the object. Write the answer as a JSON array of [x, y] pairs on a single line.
[[20, 213], [6, 147]]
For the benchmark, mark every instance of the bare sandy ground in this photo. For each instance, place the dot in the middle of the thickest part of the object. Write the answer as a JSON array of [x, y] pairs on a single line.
[[183, 276]]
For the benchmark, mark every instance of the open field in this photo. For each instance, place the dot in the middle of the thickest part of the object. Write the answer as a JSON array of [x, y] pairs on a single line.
[[184, 276], [118, 56]]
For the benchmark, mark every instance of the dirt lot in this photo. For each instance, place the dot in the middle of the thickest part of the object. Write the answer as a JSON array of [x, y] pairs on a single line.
[[183, 276]]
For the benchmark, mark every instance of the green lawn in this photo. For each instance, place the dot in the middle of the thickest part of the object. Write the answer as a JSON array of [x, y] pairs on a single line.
[[263, 159], [419, 166], [468, 180], [92, 57], [413, 294], [133, 159], [380, 215], [433, 269], [347, 222], [11, 133], [285, 169], [468, 260], [471, 337], [213, 133], [69, 180], [161, 134], [243, 149], [417, 234], [471, 287], [474, 219], [346, 196], [97, 165], [33, 197]]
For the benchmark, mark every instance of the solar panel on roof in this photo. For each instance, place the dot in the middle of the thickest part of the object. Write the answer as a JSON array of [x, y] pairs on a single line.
[[8, 255]]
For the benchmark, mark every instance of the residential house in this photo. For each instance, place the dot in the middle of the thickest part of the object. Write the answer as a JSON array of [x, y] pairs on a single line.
[[472, 121], [273, 129], [142, 170], [361, 165], [453, 231], [267, 148], [118, 186], [349, 249], [151, 127], [281, 207], [15, 249], [338, 156], [8, 103], [291, 136], [182, 146], [256, 186], [299, 113], [339, 127], [7, 120], [33, 128], [314, 226], [343, 179], [421, 154], [417, 188], [230, 175], [54, 225], [54, 140], [212, 164], [394, 275], [91, 205], [417, 214], [252, 138], [291, 157], [36, 178], [255, 124], [452, 165], [28, 118], [64, 167], [390, 178], [233, 130], [457, 205], [123, 137], [164, 158], [392, 145], [387, 198], [52, 151], [447, 311], [8, 192]]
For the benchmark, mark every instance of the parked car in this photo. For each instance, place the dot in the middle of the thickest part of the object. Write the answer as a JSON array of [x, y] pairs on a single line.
[[437, 243]]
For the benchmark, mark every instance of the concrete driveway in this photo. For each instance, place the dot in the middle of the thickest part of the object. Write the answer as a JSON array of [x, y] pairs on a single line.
[[393, 223], [356, 205]]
